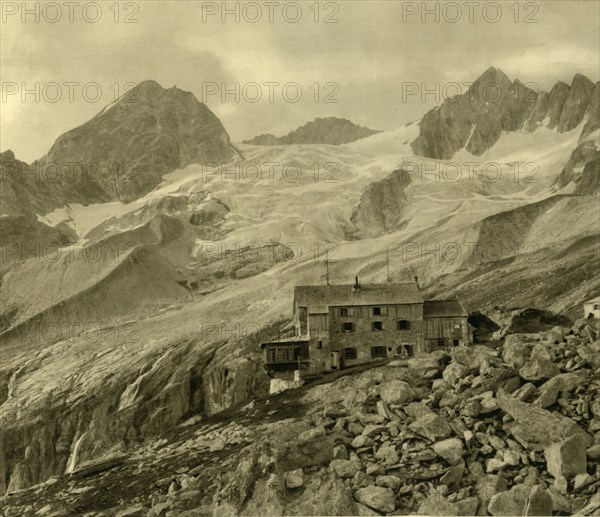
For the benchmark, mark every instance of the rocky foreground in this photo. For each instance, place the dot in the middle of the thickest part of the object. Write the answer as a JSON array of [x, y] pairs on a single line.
[[512, 430]]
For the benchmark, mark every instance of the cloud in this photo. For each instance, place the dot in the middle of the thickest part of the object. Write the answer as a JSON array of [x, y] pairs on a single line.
[[368, 54]]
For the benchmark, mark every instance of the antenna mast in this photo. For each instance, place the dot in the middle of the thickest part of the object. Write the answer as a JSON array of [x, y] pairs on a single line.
[[327, 262], [387, 266]]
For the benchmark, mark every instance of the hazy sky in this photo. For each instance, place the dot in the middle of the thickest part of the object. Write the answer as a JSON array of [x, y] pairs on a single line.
[[364, 60]]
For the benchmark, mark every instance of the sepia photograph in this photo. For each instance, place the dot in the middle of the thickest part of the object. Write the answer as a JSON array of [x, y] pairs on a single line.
[[299, 258]]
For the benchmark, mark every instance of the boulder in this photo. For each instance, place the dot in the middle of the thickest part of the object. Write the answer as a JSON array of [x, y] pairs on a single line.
[[495, 464], [294, 478], [376, 497], [453, 475], [374, 469], [340, 452], [590, 353], [311, 434], [593, 507], [582, 480], [396, 392], [388, 454], [427, 362], [594, 452], [538, 369], [451, 450], [537, 428], [361, 441], [541, 351], [437, 504], [361, 479], [516, 353], [343, 468], [372, 430], [467, 506], [566, 458], [454, 372], [431, 426], [522, 500], [361, 509], [525, 393], [389, 481], [487, 485], [562, 383]]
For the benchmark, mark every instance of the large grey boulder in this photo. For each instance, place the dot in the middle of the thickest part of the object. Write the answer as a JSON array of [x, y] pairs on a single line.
[[376, 497]]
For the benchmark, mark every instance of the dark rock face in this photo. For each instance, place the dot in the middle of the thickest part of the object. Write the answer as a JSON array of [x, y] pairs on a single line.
[[538, 114], [576, 103], [588, 183], [124, 151], [330, 130], [484, 327], [493, 104], [21, 196], [536, 320], [381, 206], [557, 97], [593, 114], [476, 119], [585, 158]]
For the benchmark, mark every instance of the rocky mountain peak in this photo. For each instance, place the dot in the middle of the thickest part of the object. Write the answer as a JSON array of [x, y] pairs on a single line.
[[576, 103], [477, 119], [581, 81], [493, 75], [151, 92], [150, 131], [325, 130]]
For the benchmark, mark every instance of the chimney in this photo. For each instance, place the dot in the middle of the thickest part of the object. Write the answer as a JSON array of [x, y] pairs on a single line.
[[356, 284], [417, 281]]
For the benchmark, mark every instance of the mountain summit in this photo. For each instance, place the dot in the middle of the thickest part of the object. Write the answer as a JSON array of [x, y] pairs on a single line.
[[328, 130], [494, 104], [124, 151]]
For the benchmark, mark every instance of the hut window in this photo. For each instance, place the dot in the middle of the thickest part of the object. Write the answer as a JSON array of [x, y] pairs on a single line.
[[377, 325], [403, 325], [343, 311], [350, 353], [348, 326], [378, 351], [376, 311]]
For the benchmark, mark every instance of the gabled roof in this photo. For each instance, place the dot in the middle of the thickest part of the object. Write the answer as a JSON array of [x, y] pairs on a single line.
[[318, 298], [593, 300], [443, 308]]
